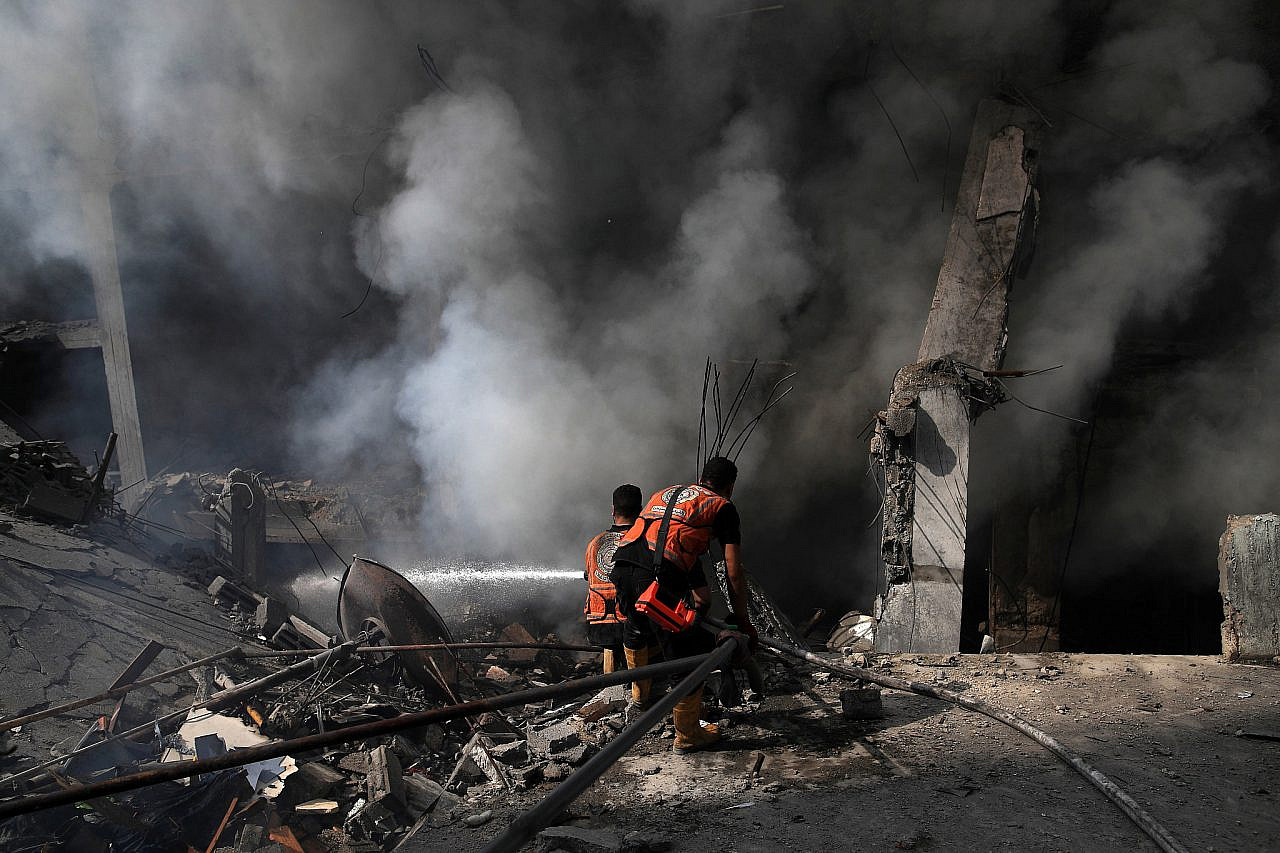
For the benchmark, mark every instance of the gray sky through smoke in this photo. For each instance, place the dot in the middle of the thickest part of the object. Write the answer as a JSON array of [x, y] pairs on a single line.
[[603, 196]]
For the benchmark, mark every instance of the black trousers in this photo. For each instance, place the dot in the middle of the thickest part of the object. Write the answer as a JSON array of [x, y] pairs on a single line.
[[631, 578]]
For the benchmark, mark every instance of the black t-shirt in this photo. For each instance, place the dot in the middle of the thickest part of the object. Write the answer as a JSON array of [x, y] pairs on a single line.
[[727, 526]]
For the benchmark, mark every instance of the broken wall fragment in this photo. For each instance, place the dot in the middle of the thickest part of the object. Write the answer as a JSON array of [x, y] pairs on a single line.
[[1249, 581]]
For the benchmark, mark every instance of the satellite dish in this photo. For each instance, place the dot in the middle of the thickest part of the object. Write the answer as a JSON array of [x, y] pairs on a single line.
[[375, 596]]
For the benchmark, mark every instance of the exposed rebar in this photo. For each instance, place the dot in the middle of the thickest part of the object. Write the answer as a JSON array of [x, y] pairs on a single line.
[[275, 749]]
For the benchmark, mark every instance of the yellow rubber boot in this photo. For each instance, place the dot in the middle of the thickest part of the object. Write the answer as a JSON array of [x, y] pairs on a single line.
[[640, 688], [610, 661], [691, 735]]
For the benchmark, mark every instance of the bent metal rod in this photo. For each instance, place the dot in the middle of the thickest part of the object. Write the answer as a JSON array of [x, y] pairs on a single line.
[[236, 652], [275, 749]]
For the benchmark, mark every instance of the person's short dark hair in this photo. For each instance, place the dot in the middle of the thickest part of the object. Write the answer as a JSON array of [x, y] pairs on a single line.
[[719, 473], [627, 500]]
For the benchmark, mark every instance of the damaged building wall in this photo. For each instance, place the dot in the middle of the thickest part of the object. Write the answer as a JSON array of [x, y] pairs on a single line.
[[922, 438], [1249, 577]]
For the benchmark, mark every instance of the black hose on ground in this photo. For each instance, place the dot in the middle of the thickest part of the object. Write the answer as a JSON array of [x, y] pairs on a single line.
[[1161, 836], [528, 824]]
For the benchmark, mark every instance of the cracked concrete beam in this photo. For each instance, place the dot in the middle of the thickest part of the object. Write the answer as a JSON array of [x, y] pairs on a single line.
[[922, 438]]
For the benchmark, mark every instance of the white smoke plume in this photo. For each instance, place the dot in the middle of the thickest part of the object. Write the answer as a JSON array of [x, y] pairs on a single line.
[[597, 198]]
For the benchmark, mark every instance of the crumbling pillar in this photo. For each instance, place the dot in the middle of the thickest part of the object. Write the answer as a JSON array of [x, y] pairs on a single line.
[[922, 439], [1249, 581], [242, 527]]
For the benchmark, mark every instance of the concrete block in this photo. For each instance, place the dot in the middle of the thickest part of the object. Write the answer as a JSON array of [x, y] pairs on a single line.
[[575, 755], [1249, 582], [516, 752], [228, 593], [517, 633], [384, 780], [861, 703], [606, 702], [270, 616], [314, 779], [551, 738]]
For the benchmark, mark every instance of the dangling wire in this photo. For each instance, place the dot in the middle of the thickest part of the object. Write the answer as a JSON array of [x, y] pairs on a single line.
[[735, 407], [771, 401]]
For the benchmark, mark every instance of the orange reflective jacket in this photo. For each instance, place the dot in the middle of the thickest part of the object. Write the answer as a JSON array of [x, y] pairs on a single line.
[[600, 592], [689, 534]]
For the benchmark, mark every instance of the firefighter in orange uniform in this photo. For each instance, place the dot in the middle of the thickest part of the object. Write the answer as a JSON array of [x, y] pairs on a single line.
[[693, 515], [604, 623]]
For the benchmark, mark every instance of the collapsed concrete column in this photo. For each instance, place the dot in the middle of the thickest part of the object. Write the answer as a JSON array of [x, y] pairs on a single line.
[[1249, 581], [922, 438], [241, 523]]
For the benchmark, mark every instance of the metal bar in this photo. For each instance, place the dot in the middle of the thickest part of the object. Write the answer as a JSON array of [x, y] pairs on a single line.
[[524, 827], [249, 755], [422, 647], [138, 665], [132, 671], [216, 702], [100, 477], [1144, 821], [114, 692]]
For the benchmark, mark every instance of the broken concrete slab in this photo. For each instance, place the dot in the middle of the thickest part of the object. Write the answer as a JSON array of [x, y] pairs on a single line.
[[517, 633], [578, 839], [514, 753], [228, 593], [604, 703], [576, 754], [1249, 582], [269, 616], [384, 780], [545, 741]]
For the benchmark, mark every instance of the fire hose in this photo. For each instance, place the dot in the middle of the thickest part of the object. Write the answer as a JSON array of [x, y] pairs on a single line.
[[528, 824], [1144, 821]]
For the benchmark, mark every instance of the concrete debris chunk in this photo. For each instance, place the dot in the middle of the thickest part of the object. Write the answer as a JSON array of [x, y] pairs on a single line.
[[270, 615], [545, 741], [861, 703], [424, 795], [575, 755], [517, 633], [314, 779], [384, 780], [645, 842], [578, 839], [228, 593], [514, 753], [498, 674], [607, 701], [477, 764]]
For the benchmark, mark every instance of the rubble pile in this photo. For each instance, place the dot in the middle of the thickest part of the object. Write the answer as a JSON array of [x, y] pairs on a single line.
[[184, 501], [364, 796], [45, 479]]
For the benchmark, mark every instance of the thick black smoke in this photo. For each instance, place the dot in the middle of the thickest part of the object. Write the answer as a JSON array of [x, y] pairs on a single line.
[[596, 198]]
